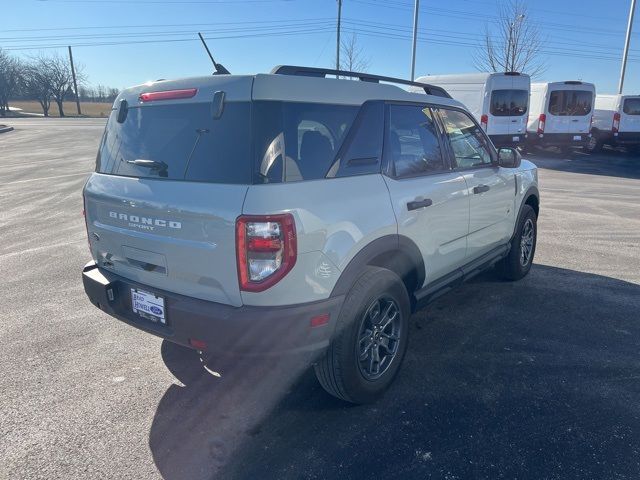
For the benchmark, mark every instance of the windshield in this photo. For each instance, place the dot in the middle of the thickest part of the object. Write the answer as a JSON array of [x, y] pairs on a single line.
[[570, 102], [508, 103], [631, 106], [179, 142]]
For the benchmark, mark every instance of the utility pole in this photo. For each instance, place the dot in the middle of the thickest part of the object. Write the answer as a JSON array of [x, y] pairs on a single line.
[[626, 45], [338, 37], [75, 83], [415, 38]]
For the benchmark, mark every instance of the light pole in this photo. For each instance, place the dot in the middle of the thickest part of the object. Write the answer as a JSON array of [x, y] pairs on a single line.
[[626, 46], [415, 37], [338, 37]]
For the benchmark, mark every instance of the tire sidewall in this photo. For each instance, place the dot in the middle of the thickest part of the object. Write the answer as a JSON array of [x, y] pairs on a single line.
[[528, 213], [364, 390]]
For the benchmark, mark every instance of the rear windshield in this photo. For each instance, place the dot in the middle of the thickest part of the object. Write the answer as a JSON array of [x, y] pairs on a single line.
[[631, 106], [509, 103], [570, 102], [179, 142], [298, 141]]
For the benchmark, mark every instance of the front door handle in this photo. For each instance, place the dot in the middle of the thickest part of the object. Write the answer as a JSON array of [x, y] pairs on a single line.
[[416, 204], [481, 189]]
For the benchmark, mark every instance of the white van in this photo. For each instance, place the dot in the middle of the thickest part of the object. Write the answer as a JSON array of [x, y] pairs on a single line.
[[560, 114], [616, 122], [499, 101]]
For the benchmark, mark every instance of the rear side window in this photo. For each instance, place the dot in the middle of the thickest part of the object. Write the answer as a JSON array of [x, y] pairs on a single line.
[[298, 141], [631, 106], [570, 102], [362, 150], [179, 142], [509, 103], [412, 144]]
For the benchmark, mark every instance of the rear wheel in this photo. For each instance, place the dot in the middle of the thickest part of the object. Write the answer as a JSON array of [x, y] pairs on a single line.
[[594, 145], [370, 341], [523, 247]]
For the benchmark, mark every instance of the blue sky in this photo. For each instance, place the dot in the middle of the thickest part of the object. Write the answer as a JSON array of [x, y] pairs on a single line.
[[584, 37]]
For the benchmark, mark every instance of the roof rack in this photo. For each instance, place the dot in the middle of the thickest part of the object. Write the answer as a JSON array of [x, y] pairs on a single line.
[[363, 77]]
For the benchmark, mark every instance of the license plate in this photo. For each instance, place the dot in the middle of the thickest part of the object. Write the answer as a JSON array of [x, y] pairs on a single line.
[[577, 137], [148, 305], [515, 139]]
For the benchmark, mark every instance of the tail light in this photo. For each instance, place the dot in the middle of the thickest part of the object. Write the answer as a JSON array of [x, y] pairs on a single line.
[[541, 121], [616, 123], [484, 122], [266, 249], [167, 95]]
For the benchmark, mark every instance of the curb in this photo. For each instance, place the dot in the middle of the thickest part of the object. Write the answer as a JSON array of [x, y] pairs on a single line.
[[4, 129]]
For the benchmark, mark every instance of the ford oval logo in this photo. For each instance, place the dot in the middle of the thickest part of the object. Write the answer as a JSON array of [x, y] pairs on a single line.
[[155, 310]]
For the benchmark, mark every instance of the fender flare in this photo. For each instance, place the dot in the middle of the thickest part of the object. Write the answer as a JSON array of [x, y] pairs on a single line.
[[531, 191], [388, 244]]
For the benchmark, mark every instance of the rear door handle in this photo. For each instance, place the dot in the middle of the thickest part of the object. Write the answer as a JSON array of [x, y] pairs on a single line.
[[416, 204], [481, 189]]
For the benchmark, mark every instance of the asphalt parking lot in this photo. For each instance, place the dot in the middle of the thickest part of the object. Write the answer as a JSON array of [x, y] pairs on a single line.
[[535, 379]]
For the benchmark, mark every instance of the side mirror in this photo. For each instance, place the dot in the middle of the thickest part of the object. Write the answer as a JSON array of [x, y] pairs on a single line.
[[509, 157]]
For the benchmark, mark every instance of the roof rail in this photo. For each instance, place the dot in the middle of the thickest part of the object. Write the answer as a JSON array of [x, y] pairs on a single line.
[[364, 77]]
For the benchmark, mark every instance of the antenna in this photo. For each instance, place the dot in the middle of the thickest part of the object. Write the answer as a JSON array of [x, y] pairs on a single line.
[[220, 70]]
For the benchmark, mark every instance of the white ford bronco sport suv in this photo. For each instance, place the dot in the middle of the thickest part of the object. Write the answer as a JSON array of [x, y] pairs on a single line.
[[289, 212]]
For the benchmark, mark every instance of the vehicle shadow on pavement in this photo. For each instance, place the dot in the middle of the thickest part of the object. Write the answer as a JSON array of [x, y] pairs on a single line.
[[534, 379], [610, 163]]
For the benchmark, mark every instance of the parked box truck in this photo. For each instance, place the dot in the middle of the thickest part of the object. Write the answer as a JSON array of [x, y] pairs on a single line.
[[560, 114], [616, 122]]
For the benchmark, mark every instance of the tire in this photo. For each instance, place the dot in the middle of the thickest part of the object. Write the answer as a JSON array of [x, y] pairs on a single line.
[[594, 145], [340, 370], [514, 266]]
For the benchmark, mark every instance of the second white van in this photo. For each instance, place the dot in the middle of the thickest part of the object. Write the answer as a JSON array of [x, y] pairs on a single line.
[[499, 101], [560, 114], [616, 122]]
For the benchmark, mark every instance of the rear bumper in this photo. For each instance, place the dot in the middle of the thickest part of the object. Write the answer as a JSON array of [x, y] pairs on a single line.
[[508, 140], [558, 139], [626, 138], [225, 329]]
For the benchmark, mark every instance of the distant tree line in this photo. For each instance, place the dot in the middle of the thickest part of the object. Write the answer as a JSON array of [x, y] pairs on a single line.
[[46, 79]]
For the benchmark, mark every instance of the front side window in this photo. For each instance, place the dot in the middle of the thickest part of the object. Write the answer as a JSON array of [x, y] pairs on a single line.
[[412, 146], [298, 141], [468, 143], [509, 103], [570, 103], [631, 106]]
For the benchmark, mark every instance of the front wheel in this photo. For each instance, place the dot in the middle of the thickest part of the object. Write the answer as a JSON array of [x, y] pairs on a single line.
[[370, 341], [523, 247]]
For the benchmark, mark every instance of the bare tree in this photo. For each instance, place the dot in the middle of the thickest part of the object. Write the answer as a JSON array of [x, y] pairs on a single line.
[[38, 83], [59, 71], [513, 45], [11, 77], [351, 55]]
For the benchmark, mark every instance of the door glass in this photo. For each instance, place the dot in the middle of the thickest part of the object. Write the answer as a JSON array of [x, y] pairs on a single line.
[[412, 145], [570, 102], [631, 106], [509, 103], [469, 145]]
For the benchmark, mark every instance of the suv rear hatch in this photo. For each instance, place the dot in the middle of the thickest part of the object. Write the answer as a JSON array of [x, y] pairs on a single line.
[[171, 175]]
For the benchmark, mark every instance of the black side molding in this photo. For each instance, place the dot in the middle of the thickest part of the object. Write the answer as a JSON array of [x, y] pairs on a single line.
[[439, 287]]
